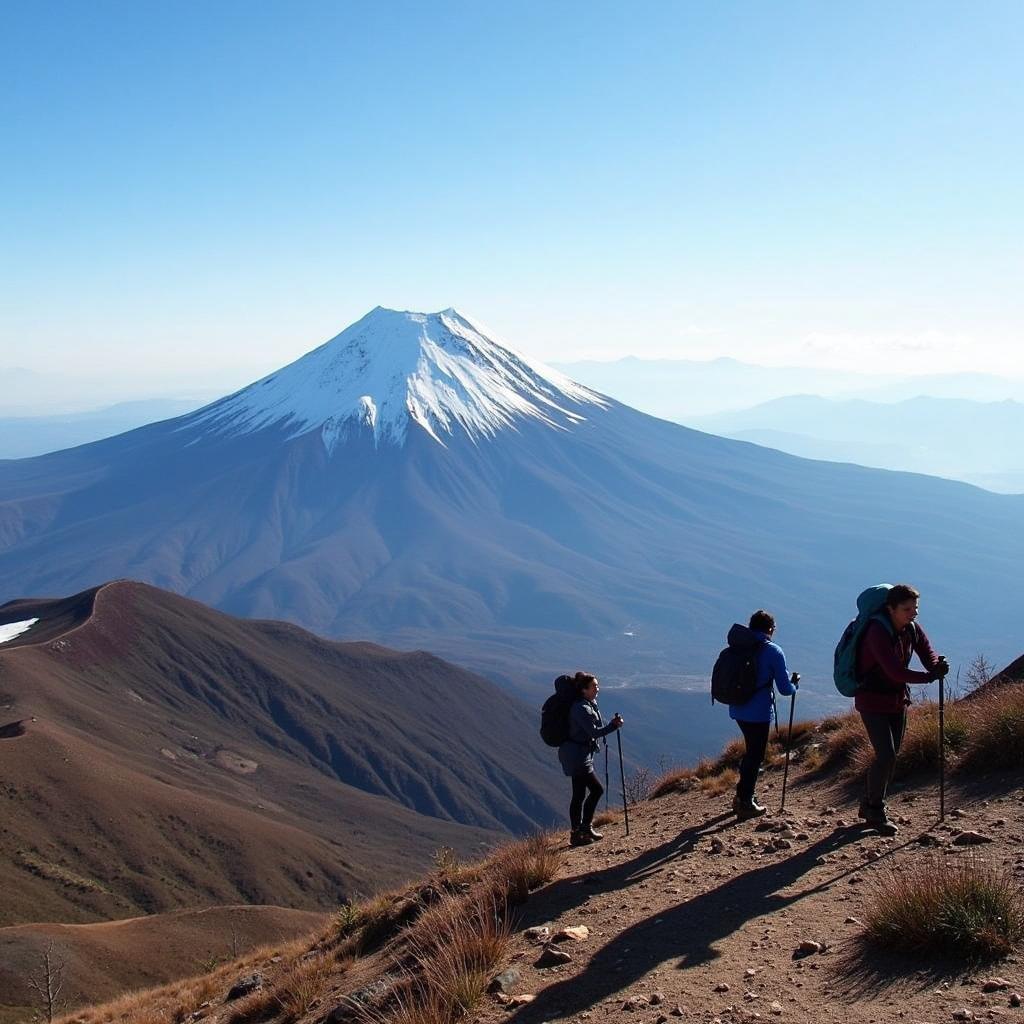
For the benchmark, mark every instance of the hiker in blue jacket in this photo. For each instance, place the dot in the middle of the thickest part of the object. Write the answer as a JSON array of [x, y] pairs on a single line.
[[576, 756], [754, 717]]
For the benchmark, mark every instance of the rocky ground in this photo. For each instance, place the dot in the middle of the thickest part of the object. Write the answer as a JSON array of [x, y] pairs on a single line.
[[698, 917]]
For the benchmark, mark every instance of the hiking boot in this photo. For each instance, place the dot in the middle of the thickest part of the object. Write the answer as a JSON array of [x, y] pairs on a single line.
[[589, 830], [747, 808], [877, 817], [580, 837], [873, 814]]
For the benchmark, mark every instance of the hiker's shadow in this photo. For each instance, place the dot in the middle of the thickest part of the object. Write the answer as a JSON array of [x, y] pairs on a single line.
[[685, 933], [570, 893]]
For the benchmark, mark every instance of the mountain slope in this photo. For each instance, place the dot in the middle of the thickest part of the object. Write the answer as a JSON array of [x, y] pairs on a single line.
[[168, 755], [523, 533], [106, 959]]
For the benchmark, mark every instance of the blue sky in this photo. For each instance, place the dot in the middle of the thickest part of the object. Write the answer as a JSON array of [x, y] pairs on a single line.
[[201, 191]]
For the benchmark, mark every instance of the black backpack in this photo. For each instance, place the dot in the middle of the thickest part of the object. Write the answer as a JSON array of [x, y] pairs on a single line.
[[554, 716], [734, 677]]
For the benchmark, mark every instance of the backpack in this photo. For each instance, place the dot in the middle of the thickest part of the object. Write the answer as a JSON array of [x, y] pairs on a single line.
[[734, 677], [554, 716], [870, 604]]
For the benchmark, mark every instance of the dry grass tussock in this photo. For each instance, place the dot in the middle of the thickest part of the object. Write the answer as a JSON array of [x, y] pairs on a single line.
[[455, 951], [298, 988], [519, 868], [448, 956], [960, 908], [995, 740], [723, 782], [361, 928], [291, 995]]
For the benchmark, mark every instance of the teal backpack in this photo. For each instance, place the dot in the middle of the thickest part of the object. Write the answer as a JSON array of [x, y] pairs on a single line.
[[844, 669]]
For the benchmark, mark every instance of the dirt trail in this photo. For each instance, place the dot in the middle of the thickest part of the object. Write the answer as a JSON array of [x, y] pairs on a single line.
[[693, 901]]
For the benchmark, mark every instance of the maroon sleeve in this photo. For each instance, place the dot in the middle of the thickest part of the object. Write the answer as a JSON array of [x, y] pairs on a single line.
[[877, 649], [923, 647]]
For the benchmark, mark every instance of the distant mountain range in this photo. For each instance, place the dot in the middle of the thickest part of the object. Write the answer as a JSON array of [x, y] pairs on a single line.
[[416, 483], [24, 436], [681, 389], [158, 754], [60, 394], [979, 442]]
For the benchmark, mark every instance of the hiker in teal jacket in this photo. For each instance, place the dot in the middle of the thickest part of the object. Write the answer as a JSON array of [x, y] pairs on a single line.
[[755, 716]]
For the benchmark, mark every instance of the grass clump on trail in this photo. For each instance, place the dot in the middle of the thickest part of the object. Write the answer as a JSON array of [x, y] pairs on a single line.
[[963, 909]]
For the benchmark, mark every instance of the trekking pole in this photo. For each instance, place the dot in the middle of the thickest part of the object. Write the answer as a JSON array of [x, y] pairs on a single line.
[[942, 744], [622, 776], [789, 747], [606, 786]]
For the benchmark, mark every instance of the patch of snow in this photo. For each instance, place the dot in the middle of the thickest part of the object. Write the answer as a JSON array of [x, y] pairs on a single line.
[[439, 371], [12, 629]]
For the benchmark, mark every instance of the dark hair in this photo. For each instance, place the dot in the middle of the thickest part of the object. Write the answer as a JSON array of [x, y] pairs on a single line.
[[762, 621], [582, 681], [900, 593]]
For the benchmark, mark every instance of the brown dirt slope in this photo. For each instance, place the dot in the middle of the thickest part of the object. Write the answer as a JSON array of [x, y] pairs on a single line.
[[103, 960], [171, 756]]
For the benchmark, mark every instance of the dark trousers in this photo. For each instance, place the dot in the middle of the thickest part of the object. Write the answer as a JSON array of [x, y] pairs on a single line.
[[886, 734], [581, 812], [756, 736]]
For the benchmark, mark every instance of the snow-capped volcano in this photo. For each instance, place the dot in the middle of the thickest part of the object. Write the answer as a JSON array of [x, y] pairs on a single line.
[[438, 371], [415, 483]]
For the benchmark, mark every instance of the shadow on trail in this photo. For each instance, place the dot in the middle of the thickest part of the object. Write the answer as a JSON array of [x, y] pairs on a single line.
[[863, 971], [569, 893], [687, 932]]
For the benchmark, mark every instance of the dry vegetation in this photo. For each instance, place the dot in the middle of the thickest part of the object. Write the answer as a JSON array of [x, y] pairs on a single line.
[[174, 1002], [440, 942], [964, 908], [985, 733]]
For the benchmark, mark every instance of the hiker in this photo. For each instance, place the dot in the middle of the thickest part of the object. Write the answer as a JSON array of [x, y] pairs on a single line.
[[576, 756], [754, 715], [890, 638]]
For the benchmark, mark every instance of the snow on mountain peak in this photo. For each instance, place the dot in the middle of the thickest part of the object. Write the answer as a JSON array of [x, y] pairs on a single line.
[[439, 371]]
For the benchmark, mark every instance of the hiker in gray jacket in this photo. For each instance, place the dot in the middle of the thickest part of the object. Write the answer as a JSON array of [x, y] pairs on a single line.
[[576, 756]]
